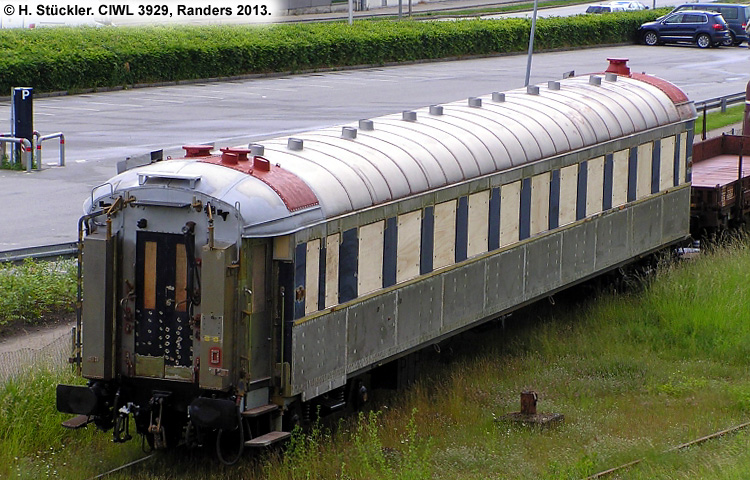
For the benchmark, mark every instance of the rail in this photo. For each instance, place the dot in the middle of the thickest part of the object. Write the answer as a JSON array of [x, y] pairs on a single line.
[[64, 250], [720, 102]]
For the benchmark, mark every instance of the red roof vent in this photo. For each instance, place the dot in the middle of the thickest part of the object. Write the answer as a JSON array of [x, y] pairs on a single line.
[[242, 153], [262, 164], [197, 150], [229, 158], [618, 66]]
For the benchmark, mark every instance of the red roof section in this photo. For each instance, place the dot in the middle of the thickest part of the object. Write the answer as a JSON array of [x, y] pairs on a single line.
[[675, 94], [294, 192]]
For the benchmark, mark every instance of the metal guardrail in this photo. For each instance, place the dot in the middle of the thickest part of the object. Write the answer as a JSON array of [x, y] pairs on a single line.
[[720, 102], [64, 250]]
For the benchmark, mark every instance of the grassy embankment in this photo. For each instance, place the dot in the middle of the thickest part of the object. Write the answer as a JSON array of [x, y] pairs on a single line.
[[36, 292], [634, 374], [718, 120]]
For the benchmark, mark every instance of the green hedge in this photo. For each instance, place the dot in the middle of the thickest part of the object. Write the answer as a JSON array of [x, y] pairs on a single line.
[[54, 59]]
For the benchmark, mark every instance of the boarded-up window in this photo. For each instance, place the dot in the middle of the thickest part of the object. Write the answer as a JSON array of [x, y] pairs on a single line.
[[510, 211], [370, 277], [540, 203], [568, 194], [149, 276], [620, 177], [645, 165], [595, 188], [666, 169], [409, 235], [332, 269], [445, 234], [312, 276], [479, 209]]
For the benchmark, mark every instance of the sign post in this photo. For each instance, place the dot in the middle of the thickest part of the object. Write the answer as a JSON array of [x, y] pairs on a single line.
[[22, 113]]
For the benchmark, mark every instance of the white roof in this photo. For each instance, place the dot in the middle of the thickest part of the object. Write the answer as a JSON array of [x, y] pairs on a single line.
[[399, 158]]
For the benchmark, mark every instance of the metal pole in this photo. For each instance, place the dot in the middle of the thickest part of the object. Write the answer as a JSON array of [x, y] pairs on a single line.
[[400, 8], [531, 45], [351, 7]]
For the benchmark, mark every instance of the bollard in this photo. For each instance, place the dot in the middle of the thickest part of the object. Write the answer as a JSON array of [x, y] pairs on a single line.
[[528, 402]]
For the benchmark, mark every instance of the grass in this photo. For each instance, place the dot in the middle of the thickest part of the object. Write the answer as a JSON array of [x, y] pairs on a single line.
[[33, 292], [634, 374], [718, 120]]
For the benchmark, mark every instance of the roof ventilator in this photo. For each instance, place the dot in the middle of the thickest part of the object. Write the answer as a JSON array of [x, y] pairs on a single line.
[[294, 144], [229, 158], [595, 80], [366, 125], [498, 97], [475, 102], [610, 77], [240, 152], [436, 109], [262, 164], [409, 116], [553, 85], [197, 150], [618, 66], [349, 132], [569, 74], [532, 90], [256, 149]]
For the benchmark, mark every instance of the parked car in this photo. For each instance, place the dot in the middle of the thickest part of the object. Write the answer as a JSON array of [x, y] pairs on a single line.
[[616, 6], [705, 29], [736, 15], [630, 6], [604, 8]]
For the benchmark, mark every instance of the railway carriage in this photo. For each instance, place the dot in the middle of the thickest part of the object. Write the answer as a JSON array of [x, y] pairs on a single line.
[[244, 287]]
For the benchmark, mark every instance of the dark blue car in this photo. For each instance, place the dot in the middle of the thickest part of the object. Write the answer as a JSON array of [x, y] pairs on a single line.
[[705, 29]]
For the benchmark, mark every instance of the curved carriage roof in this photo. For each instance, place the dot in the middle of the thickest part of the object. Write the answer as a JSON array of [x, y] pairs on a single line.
[[405, 154]]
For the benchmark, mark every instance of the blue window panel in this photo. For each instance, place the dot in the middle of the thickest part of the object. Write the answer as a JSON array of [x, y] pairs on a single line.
[[524, 220], [427, 244], [609, 179], [348, 265], [462, 229], [554, 200], [676, 176], [655, 166], [390, 251], [583, 181], [493, 237], [633, 174], [322, 275], [300, 265]]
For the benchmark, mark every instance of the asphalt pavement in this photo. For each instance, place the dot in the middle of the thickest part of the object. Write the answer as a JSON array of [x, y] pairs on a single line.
[[41, 208]]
